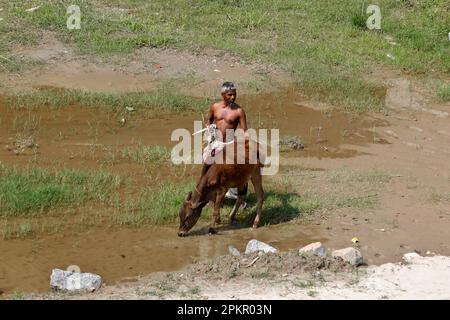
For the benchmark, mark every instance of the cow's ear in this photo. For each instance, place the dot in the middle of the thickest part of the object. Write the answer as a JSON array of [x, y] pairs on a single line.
[[188, 196]]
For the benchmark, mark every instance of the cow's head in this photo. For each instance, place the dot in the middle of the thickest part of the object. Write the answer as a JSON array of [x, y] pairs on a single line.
[[189, 214]]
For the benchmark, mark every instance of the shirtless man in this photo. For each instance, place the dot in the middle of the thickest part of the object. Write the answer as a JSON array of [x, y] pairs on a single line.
[[225, 114]]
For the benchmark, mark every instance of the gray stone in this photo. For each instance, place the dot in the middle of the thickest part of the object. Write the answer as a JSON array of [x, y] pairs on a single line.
[[61, 280], [350, 255], [316, 248], [255, 246], [235, 252]]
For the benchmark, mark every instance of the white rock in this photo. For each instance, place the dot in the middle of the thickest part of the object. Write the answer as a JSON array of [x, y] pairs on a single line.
[[255, 246], [74, 281], [316, 248], [350, 255], [235, 252], [411, 257]]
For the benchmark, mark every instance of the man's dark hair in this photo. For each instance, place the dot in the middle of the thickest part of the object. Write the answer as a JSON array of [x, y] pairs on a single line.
[[227, 86]]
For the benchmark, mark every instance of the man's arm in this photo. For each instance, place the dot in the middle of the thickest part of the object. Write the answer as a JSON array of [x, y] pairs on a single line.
[[243, 123], [243, 120]]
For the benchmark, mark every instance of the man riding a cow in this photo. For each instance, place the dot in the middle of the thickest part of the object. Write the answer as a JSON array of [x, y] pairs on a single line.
[[222, 120]]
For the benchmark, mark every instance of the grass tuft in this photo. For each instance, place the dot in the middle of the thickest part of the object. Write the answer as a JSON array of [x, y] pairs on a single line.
[[164, 99], [444, 93], [34, 190]]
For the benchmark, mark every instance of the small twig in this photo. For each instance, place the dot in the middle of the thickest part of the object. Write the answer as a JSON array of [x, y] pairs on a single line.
[[252, 263]]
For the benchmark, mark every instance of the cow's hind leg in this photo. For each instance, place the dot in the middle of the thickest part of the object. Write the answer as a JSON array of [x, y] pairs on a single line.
[[257, 184], [216, 213], [242, 192]]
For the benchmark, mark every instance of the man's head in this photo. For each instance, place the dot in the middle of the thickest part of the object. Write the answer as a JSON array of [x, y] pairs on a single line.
[[228, 92]]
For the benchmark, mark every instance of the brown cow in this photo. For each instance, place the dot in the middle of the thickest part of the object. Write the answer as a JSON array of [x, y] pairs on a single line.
[[213, 185]]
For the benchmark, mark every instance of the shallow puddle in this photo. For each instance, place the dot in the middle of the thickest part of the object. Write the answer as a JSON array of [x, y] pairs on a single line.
[[115, 254]]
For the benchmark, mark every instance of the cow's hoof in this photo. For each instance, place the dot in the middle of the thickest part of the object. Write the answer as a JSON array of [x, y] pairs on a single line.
[[182, 234], [212, 231]]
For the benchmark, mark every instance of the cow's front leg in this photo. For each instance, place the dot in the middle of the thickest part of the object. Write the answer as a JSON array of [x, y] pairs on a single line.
[[257, 184], [216, 213]]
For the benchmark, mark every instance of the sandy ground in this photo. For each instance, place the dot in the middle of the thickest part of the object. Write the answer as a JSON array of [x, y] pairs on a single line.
[[197, 74], [422, 278], [416, 277]]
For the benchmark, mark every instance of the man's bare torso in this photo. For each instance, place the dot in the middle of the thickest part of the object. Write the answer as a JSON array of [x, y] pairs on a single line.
[[226, 117]]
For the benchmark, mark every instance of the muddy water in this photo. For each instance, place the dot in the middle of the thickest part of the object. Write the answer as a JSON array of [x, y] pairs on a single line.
[[325, 132], [68, 134], [26, 265], [78, 137]]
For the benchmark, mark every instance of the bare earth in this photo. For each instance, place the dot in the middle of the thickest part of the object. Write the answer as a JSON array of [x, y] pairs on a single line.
[[415, 278]]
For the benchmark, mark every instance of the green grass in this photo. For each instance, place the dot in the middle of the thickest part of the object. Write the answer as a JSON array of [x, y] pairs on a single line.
[[279, 206], [32, 191], [444, 93], [164, 99], [155, 205], [8, 63], [161, 204], [301, 283], [325, 46], [144, 154], [319, 191], [139, 154], [21, 230]]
